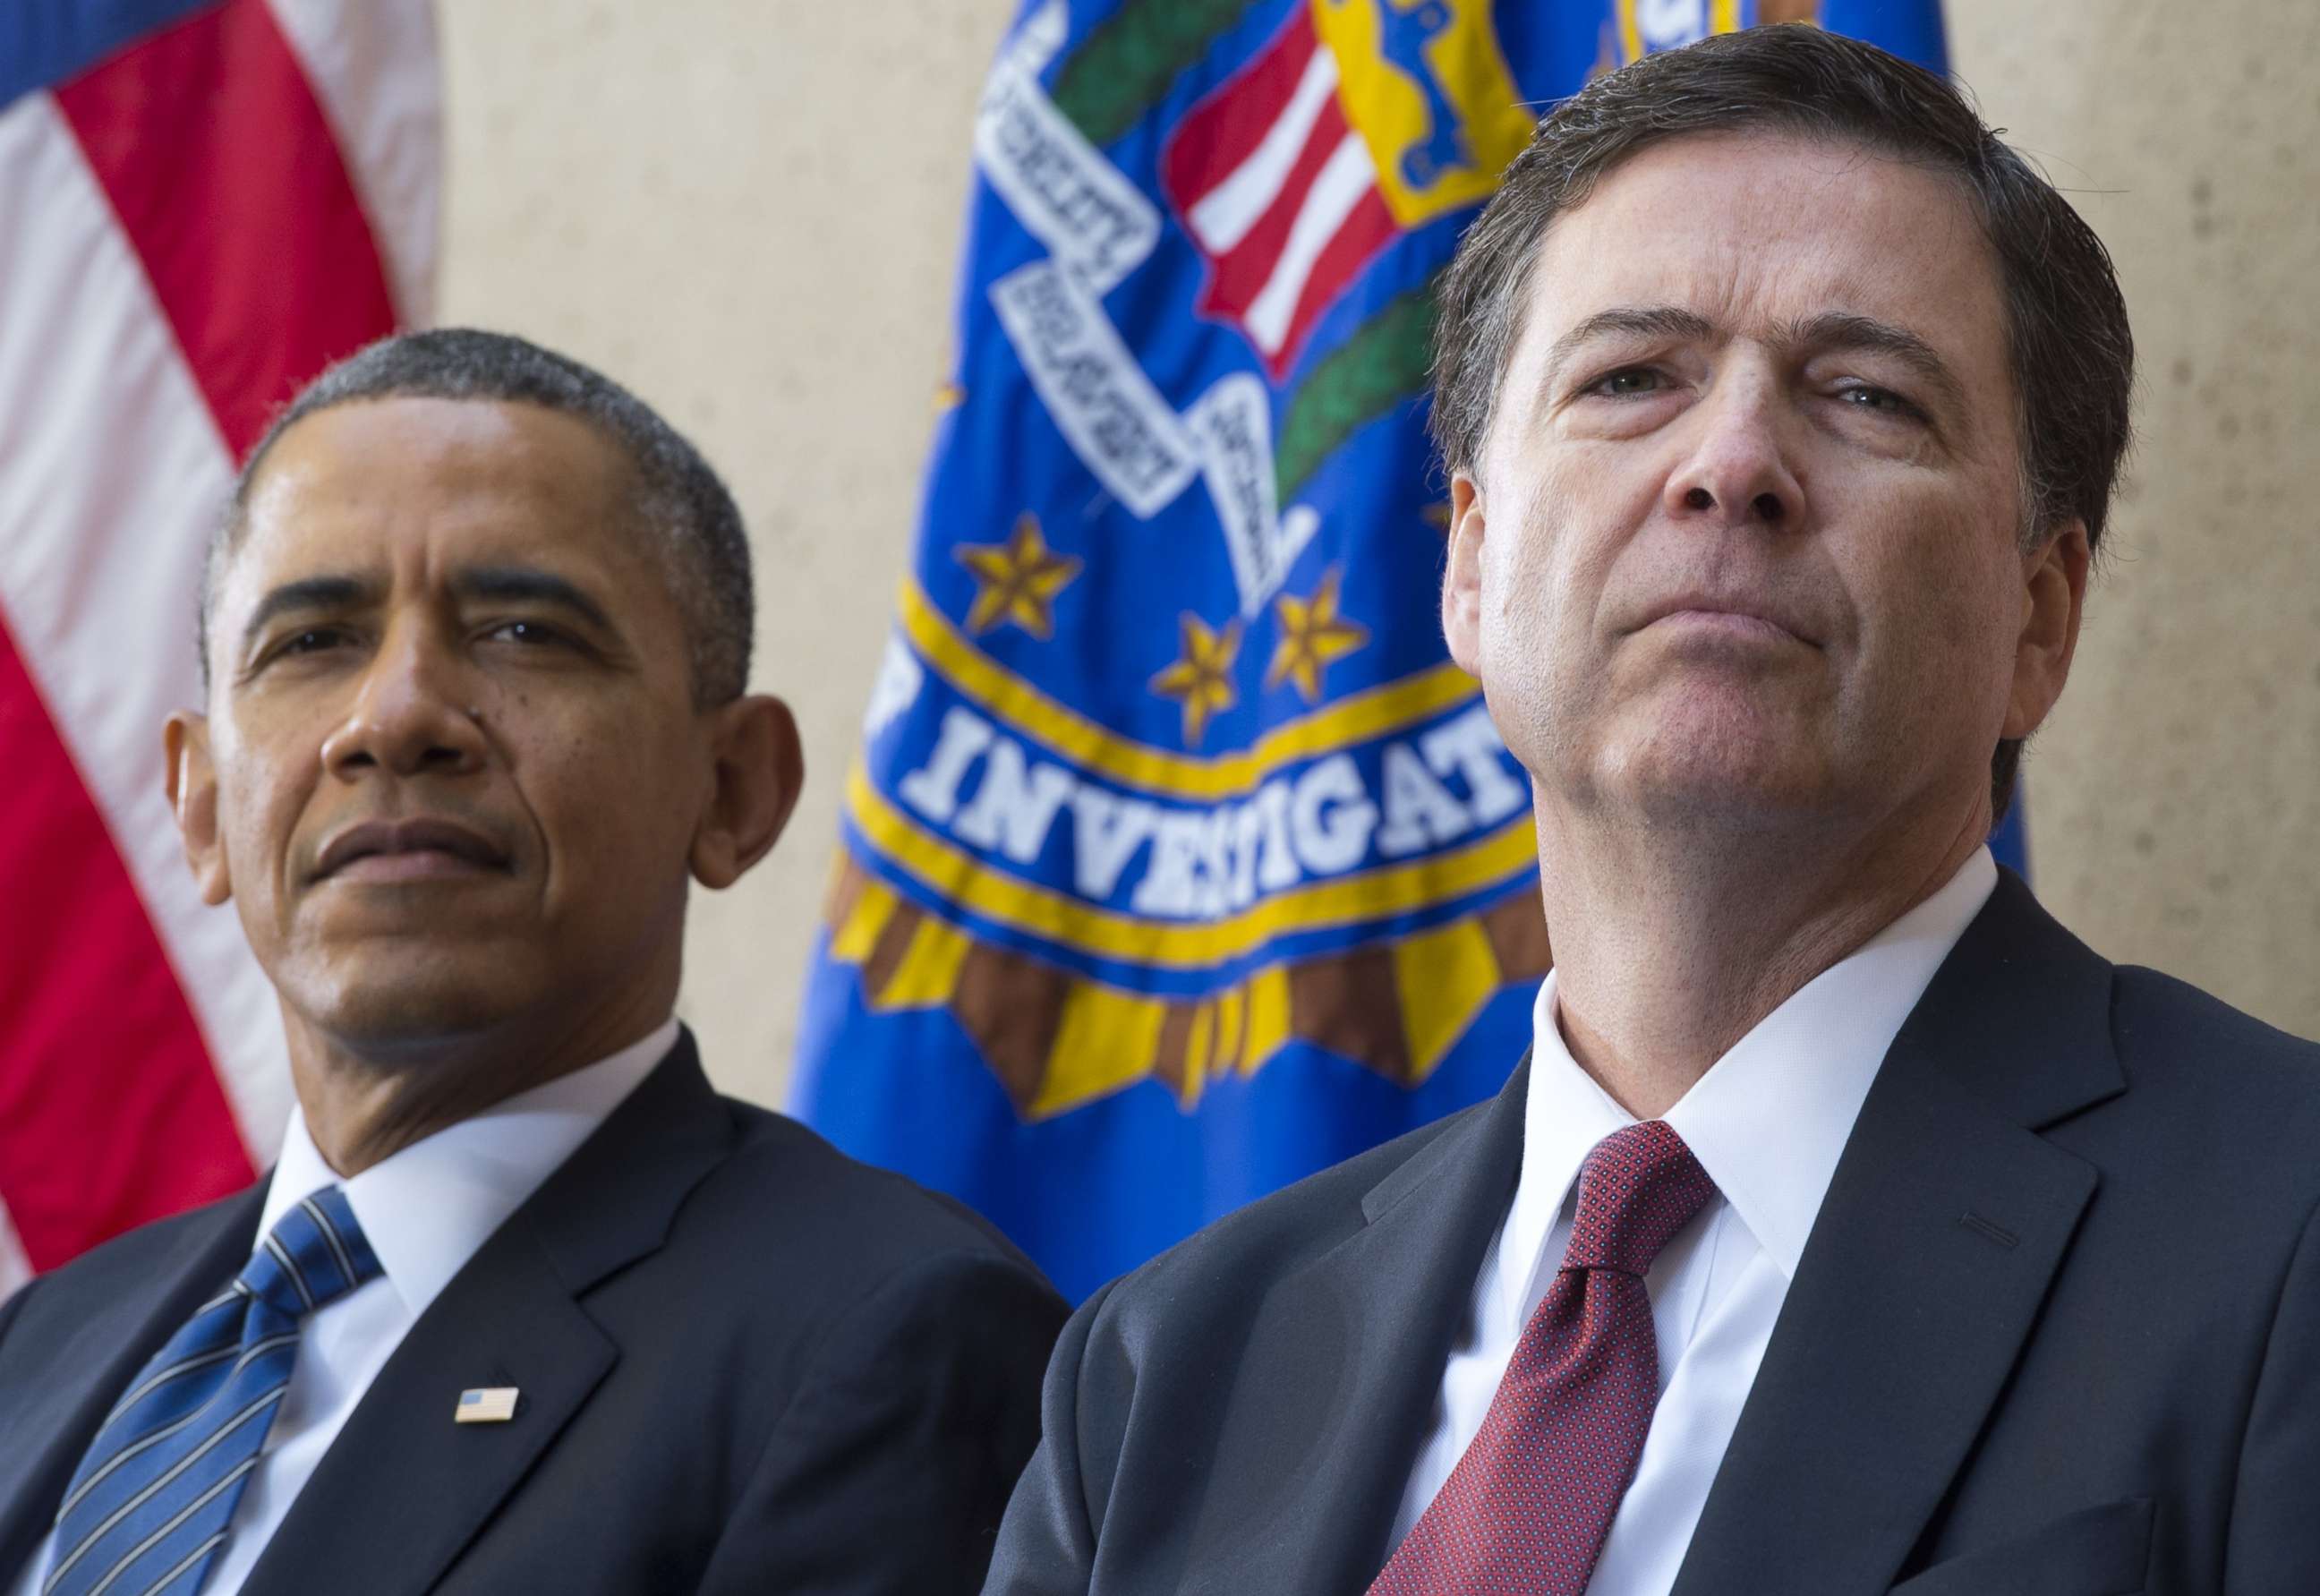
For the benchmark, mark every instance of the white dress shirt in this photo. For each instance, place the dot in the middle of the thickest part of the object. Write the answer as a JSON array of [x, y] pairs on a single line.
[[1768, 1122], [425, 1211]]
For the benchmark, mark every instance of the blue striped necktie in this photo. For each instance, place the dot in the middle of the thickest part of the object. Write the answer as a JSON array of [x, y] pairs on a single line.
[[153, 1499]]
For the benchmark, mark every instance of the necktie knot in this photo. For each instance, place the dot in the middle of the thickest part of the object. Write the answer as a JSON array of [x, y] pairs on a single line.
[[315, 1254], [1638, 1187]]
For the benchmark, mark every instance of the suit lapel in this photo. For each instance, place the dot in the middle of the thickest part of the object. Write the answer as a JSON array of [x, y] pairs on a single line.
[[54, 1420], [1940, 1235], [1346, 1363], [404, 1488]]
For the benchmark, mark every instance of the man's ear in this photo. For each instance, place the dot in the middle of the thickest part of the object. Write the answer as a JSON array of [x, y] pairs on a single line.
[[190, 781], [1462, 577], [2053, 599], [760, 767]]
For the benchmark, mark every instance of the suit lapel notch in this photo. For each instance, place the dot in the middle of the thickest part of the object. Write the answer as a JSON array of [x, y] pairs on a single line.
[[513, 1317], [1932, 1255], [1390, 1300], [506, 1320]]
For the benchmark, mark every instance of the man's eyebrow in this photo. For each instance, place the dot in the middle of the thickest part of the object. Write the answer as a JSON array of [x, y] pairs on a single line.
[[1645, 321], [1841, 330], [310, 592], [529, 585]]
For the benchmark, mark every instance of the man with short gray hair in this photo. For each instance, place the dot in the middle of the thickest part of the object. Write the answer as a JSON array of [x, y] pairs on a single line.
[[1850, 1226]]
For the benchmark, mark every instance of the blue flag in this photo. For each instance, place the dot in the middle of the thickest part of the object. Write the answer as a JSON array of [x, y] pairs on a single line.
[[1180, 862]]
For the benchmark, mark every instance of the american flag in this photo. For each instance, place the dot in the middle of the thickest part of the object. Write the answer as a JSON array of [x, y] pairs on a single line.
[[203, 202]]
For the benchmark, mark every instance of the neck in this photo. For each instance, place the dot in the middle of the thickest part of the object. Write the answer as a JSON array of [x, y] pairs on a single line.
[[364, 1101], [1669, 948]]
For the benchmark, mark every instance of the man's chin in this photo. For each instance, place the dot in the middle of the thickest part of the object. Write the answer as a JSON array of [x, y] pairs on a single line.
[[409, 1016], [1720, 784]]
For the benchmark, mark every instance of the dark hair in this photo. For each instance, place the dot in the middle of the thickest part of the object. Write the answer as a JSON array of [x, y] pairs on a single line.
[[2071, 355], [679, 497]]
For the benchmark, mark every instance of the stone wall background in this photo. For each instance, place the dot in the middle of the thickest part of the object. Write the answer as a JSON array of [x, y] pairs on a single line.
[[749, 210]]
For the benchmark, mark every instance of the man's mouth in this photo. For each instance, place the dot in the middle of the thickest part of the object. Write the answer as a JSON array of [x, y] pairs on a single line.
[[415, 850], [1739, 620]]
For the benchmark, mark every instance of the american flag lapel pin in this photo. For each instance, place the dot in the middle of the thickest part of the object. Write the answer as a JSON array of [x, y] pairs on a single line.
[[487, 1404]]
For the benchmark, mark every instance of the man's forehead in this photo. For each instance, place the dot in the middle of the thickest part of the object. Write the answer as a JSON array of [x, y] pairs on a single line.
[[400, 445], [1767, 228], [455, 481]]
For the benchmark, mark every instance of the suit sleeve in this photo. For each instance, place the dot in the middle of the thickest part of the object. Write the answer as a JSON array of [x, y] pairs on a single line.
[[1047, 1546], [891, 1469], [2275, 1535]]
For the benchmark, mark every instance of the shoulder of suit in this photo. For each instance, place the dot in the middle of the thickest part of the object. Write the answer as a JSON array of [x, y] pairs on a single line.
[[785, 1184], [2154, 1016], [2220, 1107], [1276, 1234], [131, 1262]]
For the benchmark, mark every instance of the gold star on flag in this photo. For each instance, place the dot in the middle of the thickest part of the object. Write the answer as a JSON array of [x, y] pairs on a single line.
[[1313, 637], [1017, 580], [1202, 678]]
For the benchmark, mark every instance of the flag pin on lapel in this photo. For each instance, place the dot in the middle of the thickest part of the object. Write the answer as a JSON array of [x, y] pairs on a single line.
[[489, 1404]]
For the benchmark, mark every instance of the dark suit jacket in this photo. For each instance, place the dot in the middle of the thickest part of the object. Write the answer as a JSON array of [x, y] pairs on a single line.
[[2055, 1333], [748, 1364]]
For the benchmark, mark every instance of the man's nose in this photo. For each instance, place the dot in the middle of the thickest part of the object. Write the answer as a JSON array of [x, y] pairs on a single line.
[[1737, 472], [411, 714]]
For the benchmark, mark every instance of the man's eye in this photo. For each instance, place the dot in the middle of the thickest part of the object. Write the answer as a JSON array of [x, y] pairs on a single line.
[[526, 631], [286, 648], [1627, 381], [1883, 400]]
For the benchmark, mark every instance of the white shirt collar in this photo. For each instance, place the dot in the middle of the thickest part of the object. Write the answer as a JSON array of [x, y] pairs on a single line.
[[428, 1209], [1770, 1118]]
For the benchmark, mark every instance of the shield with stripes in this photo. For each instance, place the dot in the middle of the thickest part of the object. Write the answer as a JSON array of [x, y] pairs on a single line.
[[1356, 121]]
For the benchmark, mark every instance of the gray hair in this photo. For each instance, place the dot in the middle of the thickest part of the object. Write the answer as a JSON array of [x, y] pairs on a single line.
[[679, 497], [2068, 343]]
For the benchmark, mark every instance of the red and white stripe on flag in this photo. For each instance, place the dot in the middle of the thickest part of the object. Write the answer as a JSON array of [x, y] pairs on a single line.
[[190, 228], [1279, 192]]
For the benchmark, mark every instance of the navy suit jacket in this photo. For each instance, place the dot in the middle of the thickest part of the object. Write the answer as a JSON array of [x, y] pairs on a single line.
[[2056, 1332], [748, 1364]]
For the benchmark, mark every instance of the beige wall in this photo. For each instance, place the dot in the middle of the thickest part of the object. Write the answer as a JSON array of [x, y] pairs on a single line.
[[748, 209]]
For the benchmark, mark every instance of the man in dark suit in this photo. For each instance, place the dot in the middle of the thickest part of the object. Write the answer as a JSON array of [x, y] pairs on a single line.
[[1850, 1226], [525, 1305]]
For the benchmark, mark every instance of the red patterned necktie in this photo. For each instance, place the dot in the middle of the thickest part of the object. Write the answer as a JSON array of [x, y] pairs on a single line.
[[1525, 1511]]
